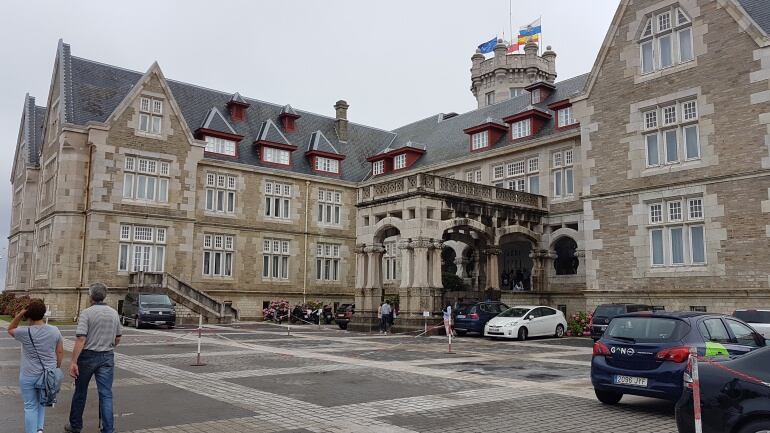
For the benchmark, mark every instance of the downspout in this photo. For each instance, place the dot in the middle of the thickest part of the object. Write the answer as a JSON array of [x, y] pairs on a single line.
[[304, 266], [86, 210]]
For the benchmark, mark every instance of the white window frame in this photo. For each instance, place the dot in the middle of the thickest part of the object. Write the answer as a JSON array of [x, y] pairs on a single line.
[[275, 259], [521, 129], [220, 146], [327, 262], [150, 116], [221, 189], [329, 207], [565, 117], [378, 167], [146, 180], [399, 161], [218, 254], [665, 28], [327, 165], [498, 172], [655, 123], [278, 196], [390, 262], [563, 174], [672, 214], [141, 248], [480, 140], [275, 155]]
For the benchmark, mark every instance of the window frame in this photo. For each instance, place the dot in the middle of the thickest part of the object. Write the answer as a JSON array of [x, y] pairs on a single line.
[[218, 255], [329, 207], [275, 259], [669, 215], [521, 129], [278, 200], [139, 171], [141, 254], [655, 34], [479, 140]]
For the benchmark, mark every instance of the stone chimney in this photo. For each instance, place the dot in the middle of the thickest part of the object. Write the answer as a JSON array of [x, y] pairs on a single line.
[[341, 124]]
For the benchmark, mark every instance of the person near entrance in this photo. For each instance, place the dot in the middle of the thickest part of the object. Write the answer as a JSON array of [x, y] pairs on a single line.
[[448, 319], [98, 332], [387, 314]]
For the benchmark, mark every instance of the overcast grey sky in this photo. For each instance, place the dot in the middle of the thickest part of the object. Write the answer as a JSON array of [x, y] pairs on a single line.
[[394, 61]]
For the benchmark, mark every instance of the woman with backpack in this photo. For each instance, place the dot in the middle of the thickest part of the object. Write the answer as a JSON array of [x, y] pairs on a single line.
[[41, 357]]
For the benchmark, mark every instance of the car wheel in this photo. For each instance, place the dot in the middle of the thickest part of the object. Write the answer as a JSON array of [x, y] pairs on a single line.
[[343, 326], [559, 331], [608, 397], [522, 334], [758, 426]]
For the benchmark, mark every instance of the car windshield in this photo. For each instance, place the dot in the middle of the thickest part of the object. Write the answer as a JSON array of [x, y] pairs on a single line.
[[647, 329], [466, 308], [514, 312], [753, 316], [155, 301]]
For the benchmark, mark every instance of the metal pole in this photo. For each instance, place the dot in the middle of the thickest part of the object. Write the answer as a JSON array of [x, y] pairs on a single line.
[[695, 390], [288, 320], [450, 342], [198, 362]]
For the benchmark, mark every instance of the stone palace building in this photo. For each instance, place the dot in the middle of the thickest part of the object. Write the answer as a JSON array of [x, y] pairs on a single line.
[[645, 180]]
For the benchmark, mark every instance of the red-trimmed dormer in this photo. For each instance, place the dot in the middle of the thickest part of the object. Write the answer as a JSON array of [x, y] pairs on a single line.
[[237, 107], [527, 123], [393, 159], [287, 118], [485, 135], [539, 91], [564, 116], [274, 148], [220, 137], [324, 157]]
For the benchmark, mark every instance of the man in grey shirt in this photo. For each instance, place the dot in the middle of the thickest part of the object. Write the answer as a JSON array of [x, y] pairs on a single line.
[[98, 333]]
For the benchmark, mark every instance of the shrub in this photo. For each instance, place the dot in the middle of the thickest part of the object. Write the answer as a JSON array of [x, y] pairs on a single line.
[[452, 283], [5, 301], [578, 324], [275, 306], [18, 304]]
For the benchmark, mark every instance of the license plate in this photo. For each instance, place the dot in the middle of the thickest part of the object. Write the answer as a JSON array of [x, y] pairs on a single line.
[[631, 380], [159, 322], [461, 316], [160, 313]]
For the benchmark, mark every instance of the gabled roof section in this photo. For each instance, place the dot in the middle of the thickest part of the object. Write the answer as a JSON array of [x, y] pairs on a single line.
[[319, 143], [759, 11], [29, 141], [216, 121], [287, 110], [238, 99], [270, 133]]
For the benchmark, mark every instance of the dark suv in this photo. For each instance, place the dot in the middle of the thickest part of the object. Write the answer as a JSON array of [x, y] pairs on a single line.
[[148, 309], [472, 317], [605, 312], [344, 314]]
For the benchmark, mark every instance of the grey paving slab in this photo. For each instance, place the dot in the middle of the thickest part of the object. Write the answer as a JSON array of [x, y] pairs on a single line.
[[215, 363], [524, 370], [167, 349]]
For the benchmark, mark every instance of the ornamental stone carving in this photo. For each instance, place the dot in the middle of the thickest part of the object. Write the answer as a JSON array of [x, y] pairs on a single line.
[[421, 243], [359, 248], [404, 245], [390, 187], [376, 248], [493, 251]]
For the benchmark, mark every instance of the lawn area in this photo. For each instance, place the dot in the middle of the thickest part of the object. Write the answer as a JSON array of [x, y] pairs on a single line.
[[8, 318]]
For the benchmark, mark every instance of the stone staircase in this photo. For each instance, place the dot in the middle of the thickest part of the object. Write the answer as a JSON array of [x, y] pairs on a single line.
[[212, 310]]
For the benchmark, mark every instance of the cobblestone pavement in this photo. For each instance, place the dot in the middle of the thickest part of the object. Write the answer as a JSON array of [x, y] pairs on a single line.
[[257, 378]]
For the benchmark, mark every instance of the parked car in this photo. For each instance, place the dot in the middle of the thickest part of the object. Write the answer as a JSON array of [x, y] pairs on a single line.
[[344, 314], [472, 317], [729, 403], [646, 353], [148, 309], [527, 321], [758, 319], [605, 312]]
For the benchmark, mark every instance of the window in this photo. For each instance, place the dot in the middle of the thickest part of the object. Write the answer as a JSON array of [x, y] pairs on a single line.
[[327, 262], [378, 167], [399, 161], [516, 168], [327, 164], [563, 174], [473, 176], [665, 44], [515, 91], [220, 192], [275, 259], [390, 262], [218, 255], [150, 116], [714, 330], [533, 165], [329, 206], [744, 335], [145, 179], [141, 248], [490, 98], [48, 187], [43, 254], [498, 172], [13, 251], [677, 237], [536, 96], [565, 117], [277, 200], [534, 184], [220, 145], [276, 156], [675, 139], [520, 129], [517, 184], [480, 140]]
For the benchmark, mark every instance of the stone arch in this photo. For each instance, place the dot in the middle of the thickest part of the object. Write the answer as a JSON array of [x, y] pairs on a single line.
[[517, 229], [466, 222], [562, 232], [385, 225]]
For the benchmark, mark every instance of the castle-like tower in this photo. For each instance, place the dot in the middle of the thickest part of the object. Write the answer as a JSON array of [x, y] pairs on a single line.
[[504, 76]]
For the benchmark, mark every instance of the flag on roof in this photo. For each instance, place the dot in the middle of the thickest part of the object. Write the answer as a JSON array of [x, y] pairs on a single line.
[[488, 46], [513, 48], [524, 39], [530, 29]]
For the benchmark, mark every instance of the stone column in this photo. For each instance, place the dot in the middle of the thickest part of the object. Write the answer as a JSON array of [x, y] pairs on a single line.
[[539, 258], [406, 263], [420, 247], [435, 263], [493, 276], [360, 266], [460, 262], [374, 277]]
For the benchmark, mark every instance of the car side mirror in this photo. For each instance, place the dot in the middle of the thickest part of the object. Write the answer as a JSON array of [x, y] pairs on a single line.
[[531, 317]]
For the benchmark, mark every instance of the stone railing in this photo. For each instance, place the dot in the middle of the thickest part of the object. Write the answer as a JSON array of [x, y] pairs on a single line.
[[423, 182]]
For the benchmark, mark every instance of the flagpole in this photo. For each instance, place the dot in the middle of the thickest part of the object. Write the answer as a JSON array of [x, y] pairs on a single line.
[[510, 19], [541, 36]]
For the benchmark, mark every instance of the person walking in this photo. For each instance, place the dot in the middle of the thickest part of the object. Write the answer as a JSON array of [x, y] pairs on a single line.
[[379, 318], [41, 349], [448, 319], [387, 311], [98, 332]]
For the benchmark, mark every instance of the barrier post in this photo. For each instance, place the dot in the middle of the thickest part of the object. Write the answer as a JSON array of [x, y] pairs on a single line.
[[450, 342], [695, 390], [198, 362], [288, 320]]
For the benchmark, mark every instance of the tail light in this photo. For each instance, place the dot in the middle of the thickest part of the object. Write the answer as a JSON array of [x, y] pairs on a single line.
[[473, 316], [673, 354], [601, 349], [687, 376]]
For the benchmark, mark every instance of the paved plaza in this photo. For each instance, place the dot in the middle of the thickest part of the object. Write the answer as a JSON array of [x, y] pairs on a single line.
[[259, 379]]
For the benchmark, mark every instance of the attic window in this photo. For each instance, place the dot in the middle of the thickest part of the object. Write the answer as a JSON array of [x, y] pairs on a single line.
[[327, 164], [565, 117], [665, 41], [521, 129], [276, 156], [150, 120], [535, 96], [480, 140], [399, 161], [378, 167], [220, 145]]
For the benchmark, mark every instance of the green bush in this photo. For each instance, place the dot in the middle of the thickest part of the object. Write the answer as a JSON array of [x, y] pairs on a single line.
[[18, 304], [5, 301], [452, 283]]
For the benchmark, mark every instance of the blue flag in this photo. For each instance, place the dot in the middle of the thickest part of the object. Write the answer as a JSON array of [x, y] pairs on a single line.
[[488, 46]]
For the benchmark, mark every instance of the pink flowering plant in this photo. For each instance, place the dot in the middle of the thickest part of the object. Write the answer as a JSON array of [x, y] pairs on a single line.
[[579, 324]]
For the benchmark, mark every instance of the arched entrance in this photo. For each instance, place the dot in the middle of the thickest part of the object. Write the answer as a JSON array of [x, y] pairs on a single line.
[[566, 261], [516, 263]]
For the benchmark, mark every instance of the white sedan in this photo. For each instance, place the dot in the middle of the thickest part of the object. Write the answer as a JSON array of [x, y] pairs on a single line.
[[526, 321]]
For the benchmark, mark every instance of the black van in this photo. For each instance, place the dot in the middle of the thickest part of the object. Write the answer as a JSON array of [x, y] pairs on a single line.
[[148, 309]]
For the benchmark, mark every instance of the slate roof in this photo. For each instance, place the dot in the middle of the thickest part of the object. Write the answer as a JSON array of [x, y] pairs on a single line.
[[216, 120], [445, 140], [759, 10], [319, 142]]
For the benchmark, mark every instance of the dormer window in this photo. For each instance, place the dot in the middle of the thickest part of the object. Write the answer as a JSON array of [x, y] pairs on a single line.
[[665, 40], [521, 129], [327, 164], [536, 96], [378, 167], [480, 140], [276, 156], [150, 116], [220, 146], [565, 117], [399, 161]]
